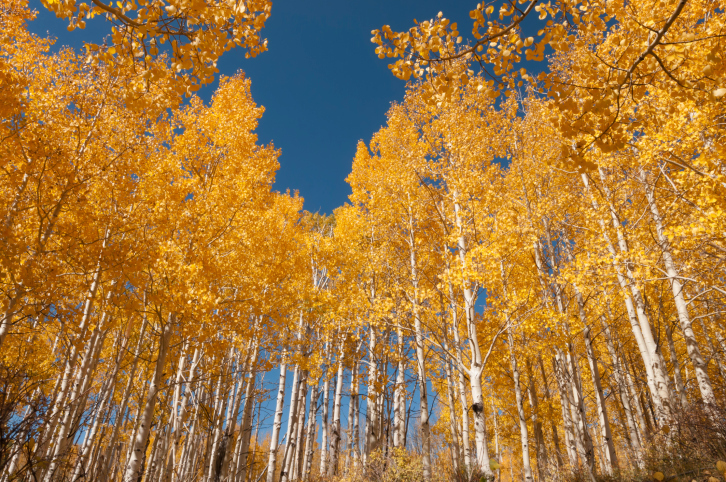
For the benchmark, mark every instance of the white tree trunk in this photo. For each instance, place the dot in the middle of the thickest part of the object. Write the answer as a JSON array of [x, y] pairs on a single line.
[[541, 449], [294, 469], [555, 436], [324, 425], [240, 466], [311, 429], [61, 404], [466, 448], [694, 352], [335, 425], [477, 363], [112, 448], [523, 432], [610, 459], [291, 419], [355, 438], [399, 394], [573, 443], [635, 439], [372, 434], [677, 379], [106, 395], [651, 356], [453, 425], [277, 424], [420, 358], [142, 437]]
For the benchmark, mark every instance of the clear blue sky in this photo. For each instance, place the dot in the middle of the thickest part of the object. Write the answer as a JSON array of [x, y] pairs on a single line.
[[320, 82]]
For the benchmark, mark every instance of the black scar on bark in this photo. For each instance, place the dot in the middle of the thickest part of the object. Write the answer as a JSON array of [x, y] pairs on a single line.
[[478, 408]]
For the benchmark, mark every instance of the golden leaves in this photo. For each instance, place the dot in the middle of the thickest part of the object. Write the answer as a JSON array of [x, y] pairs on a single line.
[[198, 32]]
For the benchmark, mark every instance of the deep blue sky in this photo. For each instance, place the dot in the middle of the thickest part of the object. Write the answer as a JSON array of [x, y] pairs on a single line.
[[320, 82]]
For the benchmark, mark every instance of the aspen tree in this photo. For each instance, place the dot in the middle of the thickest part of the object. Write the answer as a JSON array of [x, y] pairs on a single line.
[[311, 432], [277, 424], [139, 444], [335, 428], [240, 466], [324, 425], [694, 352], [635, 437]]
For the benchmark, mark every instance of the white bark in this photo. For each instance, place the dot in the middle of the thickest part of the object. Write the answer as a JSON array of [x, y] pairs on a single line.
[[356, 419], [523, 431], [477, 363], [466, 448], [294, 469], [541, 449], [324, 422], [635, 439], [291, 425], [372, 433], [276, 425], [182, 408], [335, 425], [572, 442], [555, 437], [351, 415], [113, 448], [105, 394], [635, 324], [677, 379], [142, 437], [456, 455], [61, 405], [246, 425], [694, 352], [610, 461], [311, 431], [221, 403], [649, 350], [399, 394]]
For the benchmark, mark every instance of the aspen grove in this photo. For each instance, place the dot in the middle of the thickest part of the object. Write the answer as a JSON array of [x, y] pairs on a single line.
[[528, 280]]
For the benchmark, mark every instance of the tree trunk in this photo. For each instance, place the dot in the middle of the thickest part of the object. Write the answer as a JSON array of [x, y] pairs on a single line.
[[61, 405], [240, 467], [694, 352], [108, 459], [452, 413], [311, 429], [133, 471], [610, 459], [477, 363], [324, 421], [277, 423], [106, 394], [572, 442], [542, 462], [372, 433], [299, 447], [523, 433], [635, 438], [638, 320], [335, 425], [466, 447], [420, 355], [291, 428], [399, 394], [677, 379]]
